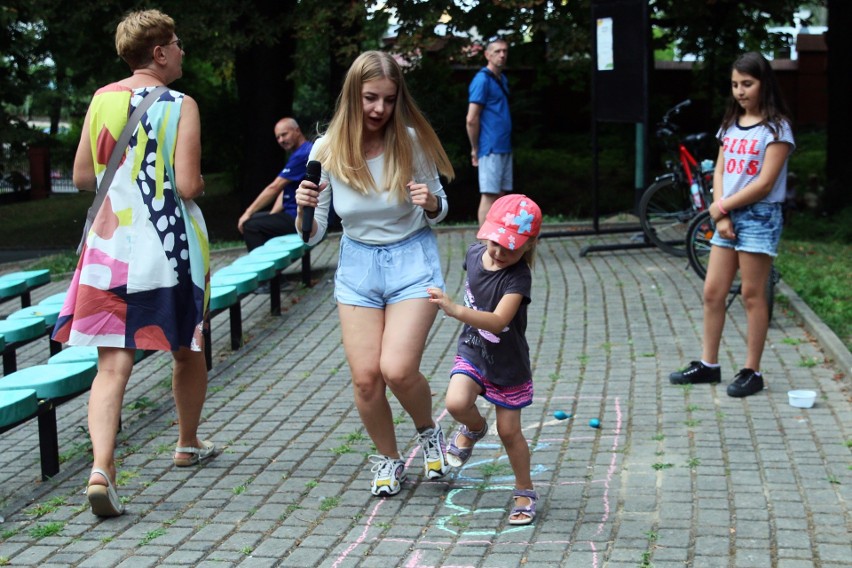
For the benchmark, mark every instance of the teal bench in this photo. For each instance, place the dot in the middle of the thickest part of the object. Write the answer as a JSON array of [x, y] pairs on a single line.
[[33, 279], [267, 268], [58, 298], [224, 298], [19, 332], [305, 254], [83, 353], [282, 252], [48, 386]]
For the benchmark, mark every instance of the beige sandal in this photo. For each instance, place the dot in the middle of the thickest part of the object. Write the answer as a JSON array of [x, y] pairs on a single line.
[[196, 455], [103, 498]]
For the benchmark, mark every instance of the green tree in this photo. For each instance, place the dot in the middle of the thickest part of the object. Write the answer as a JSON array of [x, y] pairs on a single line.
[[716, 32]]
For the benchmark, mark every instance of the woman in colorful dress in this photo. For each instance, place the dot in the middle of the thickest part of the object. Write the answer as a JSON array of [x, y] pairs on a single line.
[[142, 281]]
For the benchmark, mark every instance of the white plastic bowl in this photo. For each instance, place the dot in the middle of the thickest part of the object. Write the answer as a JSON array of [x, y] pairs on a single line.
[[801, 398]]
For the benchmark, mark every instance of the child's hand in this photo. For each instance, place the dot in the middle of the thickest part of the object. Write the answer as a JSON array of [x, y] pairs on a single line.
[[725, 228], [437, 296]]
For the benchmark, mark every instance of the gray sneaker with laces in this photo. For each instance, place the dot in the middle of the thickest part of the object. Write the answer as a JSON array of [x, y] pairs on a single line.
[[434, 449], [388, 475]]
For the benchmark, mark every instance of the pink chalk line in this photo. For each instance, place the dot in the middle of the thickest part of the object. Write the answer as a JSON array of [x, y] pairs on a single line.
[[369, 524]]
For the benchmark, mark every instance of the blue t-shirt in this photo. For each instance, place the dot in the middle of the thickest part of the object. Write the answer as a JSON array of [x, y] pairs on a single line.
[[495, 123], [294, 171]]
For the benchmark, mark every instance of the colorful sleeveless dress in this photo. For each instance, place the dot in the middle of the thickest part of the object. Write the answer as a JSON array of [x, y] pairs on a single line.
[[143, 278]]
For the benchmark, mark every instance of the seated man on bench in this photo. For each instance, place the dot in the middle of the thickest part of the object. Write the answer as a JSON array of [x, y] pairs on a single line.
[[259, 226]]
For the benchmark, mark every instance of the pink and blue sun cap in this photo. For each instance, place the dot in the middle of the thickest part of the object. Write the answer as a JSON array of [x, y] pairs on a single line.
[[511, 221]]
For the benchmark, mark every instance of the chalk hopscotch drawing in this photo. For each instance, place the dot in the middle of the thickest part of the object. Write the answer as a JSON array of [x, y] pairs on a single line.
[[501, 483]]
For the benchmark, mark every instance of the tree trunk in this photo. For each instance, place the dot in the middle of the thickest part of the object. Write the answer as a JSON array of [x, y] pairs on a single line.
[[266, 95], [838, 141]]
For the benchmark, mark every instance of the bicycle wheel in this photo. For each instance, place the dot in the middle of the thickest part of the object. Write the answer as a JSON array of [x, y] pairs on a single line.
[[664, 213], [698, 236], [774, 277]]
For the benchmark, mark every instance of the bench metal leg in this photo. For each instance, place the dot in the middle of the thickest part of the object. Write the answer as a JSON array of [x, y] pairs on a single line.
[[48, 441], [55, 347], [275, 295], [208, 345], [236, 317], [26, 302], [10, 361], [306, 268]]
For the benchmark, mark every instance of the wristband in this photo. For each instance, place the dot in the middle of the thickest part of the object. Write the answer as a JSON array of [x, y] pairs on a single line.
[[721, 209], [437, 211]]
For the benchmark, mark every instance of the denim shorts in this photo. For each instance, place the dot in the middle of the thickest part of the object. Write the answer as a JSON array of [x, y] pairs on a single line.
[[495, 173], [757, 228], [373, 276]]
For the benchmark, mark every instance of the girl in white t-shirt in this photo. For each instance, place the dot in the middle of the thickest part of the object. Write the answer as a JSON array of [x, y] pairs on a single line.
[[380, 166], [749, 188]]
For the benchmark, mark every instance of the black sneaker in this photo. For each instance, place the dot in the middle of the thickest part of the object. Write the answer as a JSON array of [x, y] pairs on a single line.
[[696, 373], [746, 383]]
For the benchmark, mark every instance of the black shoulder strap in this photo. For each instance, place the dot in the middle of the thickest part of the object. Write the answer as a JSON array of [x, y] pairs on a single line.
[[491, 74]]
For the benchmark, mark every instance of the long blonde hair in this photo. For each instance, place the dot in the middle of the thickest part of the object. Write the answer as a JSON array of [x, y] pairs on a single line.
[[343, 154]]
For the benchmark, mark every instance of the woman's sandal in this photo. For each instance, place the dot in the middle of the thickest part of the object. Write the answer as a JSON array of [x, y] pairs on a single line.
[[457, 456], [103, 498], [528, 511], [196, 455]]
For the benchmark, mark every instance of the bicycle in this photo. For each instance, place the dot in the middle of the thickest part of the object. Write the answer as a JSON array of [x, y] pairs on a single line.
[[674, 198], [697, 243]]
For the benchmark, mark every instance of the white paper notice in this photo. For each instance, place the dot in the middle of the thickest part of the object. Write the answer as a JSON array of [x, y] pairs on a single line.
[[605, 58]]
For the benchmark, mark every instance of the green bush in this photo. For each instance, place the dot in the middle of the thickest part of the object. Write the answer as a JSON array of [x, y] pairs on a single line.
[[808, 159], [561, 178]]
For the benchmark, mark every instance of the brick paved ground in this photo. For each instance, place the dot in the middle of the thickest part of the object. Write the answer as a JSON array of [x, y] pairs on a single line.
[[675, 476]]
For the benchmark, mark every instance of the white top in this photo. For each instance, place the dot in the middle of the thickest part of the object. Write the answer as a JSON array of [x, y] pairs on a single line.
[[377, 218], [744, 149]]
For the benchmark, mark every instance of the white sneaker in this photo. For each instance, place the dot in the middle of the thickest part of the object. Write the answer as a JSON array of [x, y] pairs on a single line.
[[434, 452], [388, 475]]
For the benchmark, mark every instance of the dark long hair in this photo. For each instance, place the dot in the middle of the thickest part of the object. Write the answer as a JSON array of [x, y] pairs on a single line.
[[772, 104]]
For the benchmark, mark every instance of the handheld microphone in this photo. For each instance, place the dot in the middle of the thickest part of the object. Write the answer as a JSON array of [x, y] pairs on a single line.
[[312, 174]]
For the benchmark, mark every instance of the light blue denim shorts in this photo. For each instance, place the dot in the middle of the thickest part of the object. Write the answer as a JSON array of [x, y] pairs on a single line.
[[373, 276], [495, 173], [757, 228]]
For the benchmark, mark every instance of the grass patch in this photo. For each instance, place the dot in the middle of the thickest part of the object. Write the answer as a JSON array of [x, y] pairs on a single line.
[[49, 506], [814, 261], [46, 530], [151, 535]]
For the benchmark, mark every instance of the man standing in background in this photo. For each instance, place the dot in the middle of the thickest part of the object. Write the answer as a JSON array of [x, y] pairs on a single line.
[[489, 127]]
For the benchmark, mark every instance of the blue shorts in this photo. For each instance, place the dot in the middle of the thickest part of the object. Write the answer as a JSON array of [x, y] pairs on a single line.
[[495, 173], [373, 276], [757, 228]]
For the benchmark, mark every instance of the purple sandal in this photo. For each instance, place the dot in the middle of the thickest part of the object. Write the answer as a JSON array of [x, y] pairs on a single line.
[[527, 510], [457, 456]]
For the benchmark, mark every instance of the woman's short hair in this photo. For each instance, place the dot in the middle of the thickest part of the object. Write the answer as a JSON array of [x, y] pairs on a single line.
[[139, 32]]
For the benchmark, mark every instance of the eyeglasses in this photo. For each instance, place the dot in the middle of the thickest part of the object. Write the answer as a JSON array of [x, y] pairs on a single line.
[[178, 42]]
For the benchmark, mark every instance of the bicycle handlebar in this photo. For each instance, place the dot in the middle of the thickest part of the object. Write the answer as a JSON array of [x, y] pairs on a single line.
[[676, 109], [668, 128]]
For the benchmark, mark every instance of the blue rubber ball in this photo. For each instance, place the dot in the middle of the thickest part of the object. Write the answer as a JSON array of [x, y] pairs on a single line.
[[595, 423], [560, 415]]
